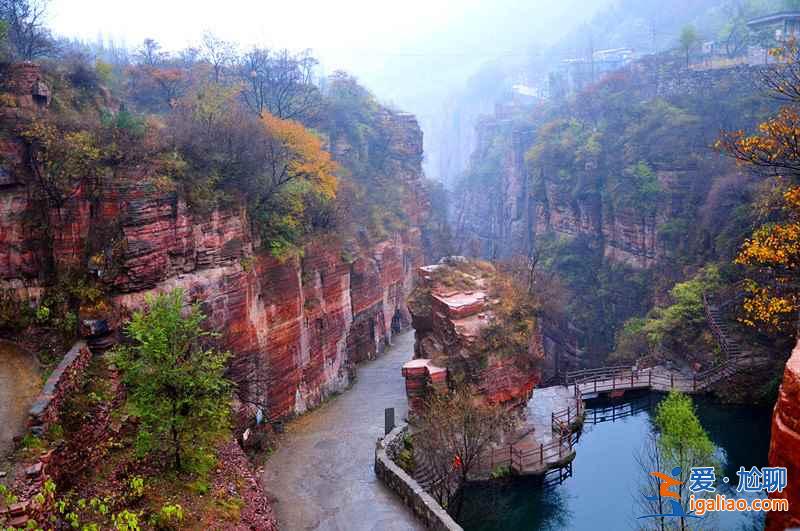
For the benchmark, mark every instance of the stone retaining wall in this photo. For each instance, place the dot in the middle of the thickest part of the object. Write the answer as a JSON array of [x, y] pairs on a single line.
[[412, 494], [63, 381]]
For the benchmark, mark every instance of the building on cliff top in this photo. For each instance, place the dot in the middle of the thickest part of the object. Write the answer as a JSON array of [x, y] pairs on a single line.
[[786, 24]]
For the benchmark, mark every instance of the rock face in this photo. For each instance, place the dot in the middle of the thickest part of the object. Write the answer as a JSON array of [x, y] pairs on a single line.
[[296, 329], [503, 219], [784, 448], [449, 318], [506, 221]]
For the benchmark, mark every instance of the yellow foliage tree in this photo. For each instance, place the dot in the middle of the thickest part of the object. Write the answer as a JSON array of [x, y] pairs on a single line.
[[773, 250], [295, 153], [299, 181], [61, 161]]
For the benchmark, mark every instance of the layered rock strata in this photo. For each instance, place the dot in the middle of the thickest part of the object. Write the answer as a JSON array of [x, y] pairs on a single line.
[[296, 328], [449, 320]]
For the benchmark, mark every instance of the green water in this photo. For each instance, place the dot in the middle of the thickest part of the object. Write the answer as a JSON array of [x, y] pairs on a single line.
[[603, 490]]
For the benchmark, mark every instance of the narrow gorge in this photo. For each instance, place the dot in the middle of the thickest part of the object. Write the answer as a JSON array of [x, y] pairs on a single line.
[[410, 279]]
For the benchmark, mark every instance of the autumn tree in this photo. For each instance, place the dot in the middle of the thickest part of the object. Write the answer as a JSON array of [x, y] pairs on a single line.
[[451, 433], [299, 173], [219, 53], [277, 166], [150, 53], [772, 253], [175, 381]]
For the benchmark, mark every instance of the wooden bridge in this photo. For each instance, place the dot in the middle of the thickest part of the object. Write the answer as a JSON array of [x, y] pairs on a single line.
[[557, 450], [525, 457]]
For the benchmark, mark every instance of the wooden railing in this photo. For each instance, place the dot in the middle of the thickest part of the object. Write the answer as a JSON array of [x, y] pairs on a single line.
[[533, 459], [631, 378], [571, 376], [729, 347], [563, 421], [539, 459]]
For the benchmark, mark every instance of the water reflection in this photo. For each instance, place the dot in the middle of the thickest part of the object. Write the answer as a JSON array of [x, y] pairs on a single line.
[[606, 478]]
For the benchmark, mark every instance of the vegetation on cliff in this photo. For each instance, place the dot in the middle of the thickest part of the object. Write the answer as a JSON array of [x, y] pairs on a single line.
[[508, 320], [771, 254], [629, 205], [176, 384]]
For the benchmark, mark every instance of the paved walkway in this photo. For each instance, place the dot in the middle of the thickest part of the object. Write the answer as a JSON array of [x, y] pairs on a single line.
[[545, 401], [19, 385], [322, 474]]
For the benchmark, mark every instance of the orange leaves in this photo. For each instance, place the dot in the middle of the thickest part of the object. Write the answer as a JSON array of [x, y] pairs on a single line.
[[772, 245], [776, 144], [298, 154], [764, 307]]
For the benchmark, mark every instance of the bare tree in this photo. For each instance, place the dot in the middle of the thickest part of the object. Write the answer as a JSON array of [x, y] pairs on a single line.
[[649, 499], [27, 34], [280, 83], [220, 54], [150, 53], [451, 434]]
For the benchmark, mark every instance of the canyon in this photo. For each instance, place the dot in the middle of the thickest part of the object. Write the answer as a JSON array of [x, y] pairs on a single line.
[[297, 327]]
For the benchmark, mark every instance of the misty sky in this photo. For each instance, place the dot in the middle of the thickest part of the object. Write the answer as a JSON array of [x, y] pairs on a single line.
[[379, 41], [413, 54]]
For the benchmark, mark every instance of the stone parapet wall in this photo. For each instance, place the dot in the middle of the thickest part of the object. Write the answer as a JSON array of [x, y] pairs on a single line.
[[432, 515], [65, 379]]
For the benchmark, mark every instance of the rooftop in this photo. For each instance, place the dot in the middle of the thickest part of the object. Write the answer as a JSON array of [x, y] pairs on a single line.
[[774, 18]]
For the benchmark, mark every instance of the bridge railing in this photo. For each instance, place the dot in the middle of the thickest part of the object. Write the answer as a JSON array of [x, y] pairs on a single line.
[[628, 378], [730, 348], [534, 458], [572, 376], [528, 458], [562, 421]]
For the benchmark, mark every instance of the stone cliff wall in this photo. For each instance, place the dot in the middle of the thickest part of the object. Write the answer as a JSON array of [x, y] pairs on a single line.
[[503, 218], [296, 328], [784, 448]]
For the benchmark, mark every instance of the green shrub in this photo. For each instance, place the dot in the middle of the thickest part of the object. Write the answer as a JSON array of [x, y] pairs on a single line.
[[169, 517]]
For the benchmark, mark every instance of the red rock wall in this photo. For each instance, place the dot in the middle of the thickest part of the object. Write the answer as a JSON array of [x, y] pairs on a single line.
[[447, 330], [296, 329], [784, 448]]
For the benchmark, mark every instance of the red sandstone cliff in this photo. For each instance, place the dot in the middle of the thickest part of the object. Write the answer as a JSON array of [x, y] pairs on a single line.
[[451, 308], [784, 448], [296, 329]]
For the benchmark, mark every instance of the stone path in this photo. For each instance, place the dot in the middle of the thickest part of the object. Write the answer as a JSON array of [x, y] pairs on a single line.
[[19, 385], [322, 475], [544, 402]]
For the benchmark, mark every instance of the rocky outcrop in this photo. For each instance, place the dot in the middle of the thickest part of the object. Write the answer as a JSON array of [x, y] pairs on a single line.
[[784, 448], [503, 218], [451, 308], [295, 328]]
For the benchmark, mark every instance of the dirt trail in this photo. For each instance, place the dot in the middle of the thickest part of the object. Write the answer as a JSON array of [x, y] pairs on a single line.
[[322, 475], [19, 384]]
